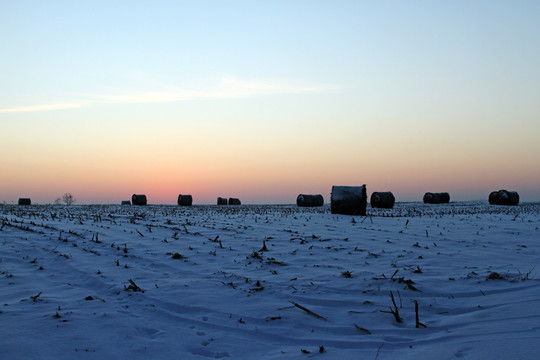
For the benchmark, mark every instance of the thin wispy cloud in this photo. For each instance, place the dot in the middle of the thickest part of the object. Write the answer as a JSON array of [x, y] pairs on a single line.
[[45, 107], [228, 88]]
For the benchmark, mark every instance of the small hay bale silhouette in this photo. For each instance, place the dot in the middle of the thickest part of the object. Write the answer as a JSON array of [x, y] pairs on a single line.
[[185, 200], [126, 202], [234, 201], [221, 201], [382, 199], [138, 199], [504, 197], [25, 201], [348, 200], [305, 200], [436, 198]]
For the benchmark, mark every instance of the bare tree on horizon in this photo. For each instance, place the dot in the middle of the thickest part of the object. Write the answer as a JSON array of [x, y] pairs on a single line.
[[68, 199]]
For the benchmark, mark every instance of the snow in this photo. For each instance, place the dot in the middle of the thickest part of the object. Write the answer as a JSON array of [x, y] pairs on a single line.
[[269, 282]]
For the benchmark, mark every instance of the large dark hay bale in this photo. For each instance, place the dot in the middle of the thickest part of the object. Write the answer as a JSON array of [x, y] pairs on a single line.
[[310, 200], [436, 198], [25, 201], [382, 199], [138, 199], [348, 200], [221, 201], [125, 202], [185, 200], [504, 197], [234, 201]]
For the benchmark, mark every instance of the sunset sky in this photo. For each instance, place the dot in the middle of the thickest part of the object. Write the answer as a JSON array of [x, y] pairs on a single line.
[[263, 100]]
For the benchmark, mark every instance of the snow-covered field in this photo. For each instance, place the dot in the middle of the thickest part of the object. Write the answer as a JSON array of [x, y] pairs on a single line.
[[270, 282]]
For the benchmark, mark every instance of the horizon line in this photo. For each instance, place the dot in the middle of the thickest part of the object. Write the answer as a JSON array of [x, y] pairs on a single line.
[[243, 204]]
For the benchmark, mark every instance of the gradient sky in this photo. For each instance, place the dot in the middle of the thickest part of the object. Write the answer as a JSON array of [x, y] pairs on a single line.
[[263, 100]]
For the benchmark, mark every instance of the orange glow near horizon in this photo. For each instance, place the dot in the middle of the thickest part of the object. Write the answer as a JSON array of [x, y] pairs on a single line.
[[269, 181], [106, 162]]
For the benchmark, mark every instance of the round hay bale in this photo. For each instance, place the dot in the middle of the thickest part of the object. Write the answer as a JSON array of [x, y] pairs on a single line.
[[436, 198], [348, 200], [384, 200], [234, 201], [138, 199], [445, 197], [25, 201], [513, 198], [428, 198], [504, 197], [221, 201], [125, 202], [493, 197], [185, 200], [309, 200]]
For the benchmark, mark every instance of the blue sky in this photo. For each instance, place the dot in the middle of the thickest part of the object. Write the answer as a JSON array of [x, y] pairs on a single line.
[[268, 99]]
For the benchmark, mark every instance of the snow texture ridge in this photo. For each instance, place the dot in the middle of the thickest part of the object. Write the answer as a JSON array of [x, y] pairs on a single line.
[[270, 282]]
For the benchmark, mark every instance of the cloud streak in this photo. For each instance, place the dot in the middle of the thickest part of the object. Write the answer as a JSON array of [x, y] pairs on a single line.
[[228, 88], [45, 107]]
